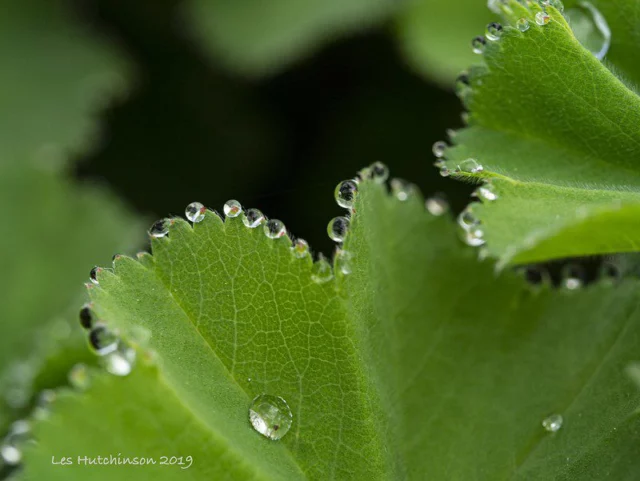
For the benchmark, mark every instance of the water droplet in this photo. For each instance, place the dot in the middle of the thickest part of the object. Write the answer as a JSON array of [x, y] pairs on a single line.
[[542, 18], [469, 165], [159, 229], [478, 44], [232, 208], [486, 192], [439, 148], [343, 261], [103, 340], [494, 31], [300, 248], [270, 416], [610, 272], [573, 276], [253, 218], [93, 275], [463, 87], [321, 271], [590, 28], [553, 423], [86, 318], [121, 361], [274, 229], [467, 220], [437, 205], [523, 25], [402, 189], [345, 193], [79, 377], [11, 455], [444, 171], [557, 4], [474, 237], [338, 228], [195, 212], [379, 172]]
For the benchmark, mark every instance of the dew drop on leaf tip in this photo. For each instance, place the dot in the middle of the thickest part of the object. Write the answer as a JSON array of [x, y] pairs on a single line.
[[321, 271], [86, 317], [470, 166], [439, 148], [232, 208], [159, 229], [523, 25], [552, 423], [343, 261], [270, 416], [494, 31], [379, 172], [345, 193], [542, 18], [338, 228], [274, 229], [300, 248], [195, 212], [103, 340], [253, 218], [93, 275], [478, 43]]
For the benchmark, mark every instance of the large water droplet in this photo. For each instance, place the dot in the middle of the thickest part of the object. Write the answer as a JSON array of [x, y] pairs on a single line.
[[437, 205], [274, 229], [345, 193], [439, 148], [121, 361], [93, 275], [159, 229], [590, 28], [553, 423], [79, 377], [270, 416], [321, 271], [300, 248], [542, 18], [86, 317], [523, 25], [232, 208], [103, 340], [573, 276], [338, 229], [494, 31], [478, 44], [253, 218], [195, 212]]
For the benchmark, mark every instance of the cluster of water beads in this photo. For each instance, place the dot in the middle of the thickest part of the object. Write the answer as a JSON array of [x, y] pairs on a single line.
[[232, 208], [338, 228], [195, 212], [270, 416], [345, 193], [552, 423]]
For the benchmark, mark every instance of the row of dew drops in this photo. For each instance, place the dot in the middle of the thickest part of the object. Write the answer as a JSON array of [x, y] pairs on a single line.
[[589, 25]]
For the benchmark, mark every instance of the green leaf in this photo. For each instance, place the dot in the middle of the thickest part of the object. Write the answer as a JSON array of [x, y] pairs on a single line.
[[419, 364], [53, 229], [435, 35], [557, 135], [257, 38]]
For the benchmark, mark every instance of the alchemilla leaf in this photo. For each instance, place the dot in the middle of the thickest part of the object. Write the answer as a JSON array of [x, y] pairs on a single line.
[[553, 132], [408, 360]]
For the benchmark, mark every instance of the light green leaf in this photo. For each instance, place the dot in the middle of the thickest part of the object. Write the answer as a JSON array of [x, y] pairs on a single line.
[[435, 35], [558, 137], [256, 38], [54, 78], [419, 364]]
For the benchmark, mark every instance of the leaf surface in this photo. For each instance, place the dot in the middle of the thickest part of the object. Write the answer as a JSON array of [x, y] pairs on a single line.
[[420, 364], [558, 137]]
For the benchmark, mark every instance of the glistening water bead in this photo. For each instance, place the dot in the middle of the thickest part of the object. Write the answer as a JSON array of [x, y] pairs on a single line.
[[232, 208], [523, 25], [338, 228], [103, 340], [121, 361], [253, 218], [86, 318], [494, 31], [274, 229], [345, 193], [542, 18], [159, 229], [300, 248], [553, 423], [379, 172], [93, 275], [437, 205], [195, 212], [478, 44], [270, 416], [439, 148]]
